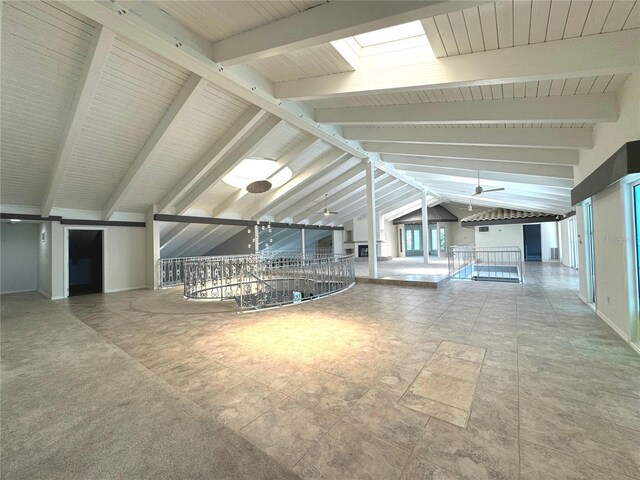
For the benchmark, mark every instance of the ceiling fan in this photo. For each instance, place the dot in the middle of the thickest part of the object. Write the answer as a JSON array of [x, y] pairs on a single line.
[[325, 211], [480, 190]]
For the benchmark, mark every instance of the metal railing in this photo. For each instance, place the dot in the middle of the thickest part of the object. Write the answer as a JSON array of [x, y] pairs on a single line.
[[267, 280], [172, 269], [498, 264]]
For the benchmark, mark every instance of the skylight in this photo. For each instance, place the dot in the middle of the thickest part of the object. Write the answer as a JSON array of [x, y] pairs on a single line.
[[390, 34], [408, 38]]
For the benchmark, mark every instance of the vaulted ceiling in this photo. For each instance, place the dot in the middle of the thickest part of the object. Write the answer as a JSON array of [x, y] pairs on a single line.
[[109, 108]]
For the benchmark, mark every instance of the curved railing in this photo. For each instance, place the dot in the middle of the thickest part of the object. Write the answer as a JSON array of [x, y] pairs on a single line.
[[263, 281]]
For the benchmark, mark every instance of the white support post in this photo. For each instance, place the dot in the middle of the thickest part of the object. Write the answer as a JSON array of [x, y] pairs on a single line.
[[371, 217], [438, 239], [338, 242], [303, 248], [152, 250], [425, 227]]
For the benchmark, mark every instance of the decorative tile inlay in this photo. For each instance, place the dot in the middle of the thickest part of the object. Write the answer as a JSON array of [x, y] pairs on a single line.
[[444, 388]]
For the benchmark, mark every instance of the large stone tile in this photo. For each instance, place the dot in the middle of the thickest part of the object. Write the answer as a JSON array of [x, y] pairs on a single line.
[[240, 404], [625, 411], [494, 411], [539, 463], [453, 415], [453, 367], [330, 393], [347, 452], [499, 379], [396, 379], [444, 389], [470, 454], [419, 469], [594, 440], [380, 413], [288, 430]]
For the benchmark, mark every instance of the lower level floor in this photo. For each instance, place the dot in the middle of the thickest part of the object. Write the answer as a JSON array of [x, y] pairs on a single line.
[[472, 380]]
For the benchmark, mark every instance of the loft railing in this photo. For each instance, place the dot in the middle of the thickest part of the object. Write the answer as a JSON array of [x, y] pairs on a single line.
[[172, 269], [498, 264], [267, 280]]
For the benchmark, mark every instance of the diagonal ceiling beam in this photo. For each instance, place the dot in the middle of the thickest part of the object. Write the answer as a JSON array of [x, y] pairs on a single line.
[[290, 191], [604, 54], [393, 200], [189, 93], [87, 85], [499, 154], [569, 109], [227, 163], [557, 171], [496, 137], [146, 25], [238, 200], [390, 192], [316, 198], [325, 23], [218, 149]]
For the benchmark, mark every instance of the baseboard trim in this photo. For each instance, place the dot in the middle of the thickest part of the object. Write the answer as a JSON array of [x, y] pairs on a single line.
[[126, 289], [18, 291], [42, 292], [592, 306], [635, 346], [615, 328]]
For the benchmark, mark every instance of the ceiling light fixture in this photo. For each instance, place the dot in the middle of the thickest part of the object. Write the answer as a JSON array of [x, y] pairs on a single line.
[[14, 220], [257, 172]]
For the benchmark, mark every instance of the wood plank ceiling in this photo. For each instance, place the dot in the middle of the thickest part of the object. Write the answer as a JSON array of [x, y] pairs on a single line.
[[47, 44]]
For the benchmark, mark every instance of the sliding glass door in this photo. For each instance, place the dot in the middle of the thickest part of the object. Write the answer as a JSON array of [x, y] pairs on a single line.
[[590, 252]]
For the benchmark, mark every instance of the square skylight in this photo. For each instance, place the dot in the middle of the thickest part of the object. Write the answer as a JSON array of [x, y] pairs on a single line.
[[390, 34]]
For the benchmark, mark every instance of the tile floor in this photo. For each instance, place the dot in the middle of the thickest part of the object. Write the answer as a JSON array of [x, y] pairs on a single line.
[[365, 384]]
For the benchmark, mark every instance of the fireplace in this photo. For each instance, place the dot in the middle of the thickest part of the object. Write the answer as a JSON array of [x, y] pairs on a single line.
[[363, 250]]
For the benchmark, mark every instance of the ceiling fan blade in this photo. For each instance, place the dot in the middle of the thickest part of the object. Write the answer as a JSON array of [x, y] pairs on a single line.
[[331, 212], [493, 190], [477, 193]]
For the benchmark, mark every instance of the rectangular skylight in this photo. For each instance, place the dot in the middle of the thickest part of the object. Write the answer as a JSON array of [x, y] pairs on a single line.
[[390, 34]]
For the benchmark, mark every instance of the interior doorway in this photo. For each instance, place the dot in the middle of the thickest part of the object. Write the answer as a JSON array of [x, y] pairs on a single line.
[[413, 240], [433, 240], [573, 243], [85, 262], [532, 243]]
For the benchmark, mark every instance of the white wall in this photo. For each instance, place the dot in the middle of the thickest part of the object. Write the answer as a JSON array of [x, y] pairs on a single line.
[[616, 300], [125, 258], [549, 239], [18, 257], [461, 235], [500, 236]]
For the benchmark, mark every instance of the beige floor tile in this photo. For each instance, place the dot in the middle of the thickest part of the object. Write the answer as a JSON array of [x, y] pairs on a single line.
[[347, 452], [419, 469], [464, 352], [381, 414], [288, 430], [453, 367], [470, 454], [453, 415], [444, 389]]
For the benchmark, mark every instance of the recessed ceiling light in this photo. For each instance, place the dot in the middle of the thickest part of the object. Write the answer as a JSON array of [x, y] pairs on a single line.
[[14, 220], [252, 170]]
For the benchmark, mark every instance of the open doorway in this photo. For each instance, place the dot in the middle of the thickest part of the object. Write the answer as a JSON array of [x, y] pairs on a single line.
[[532, 243], [85, 262]]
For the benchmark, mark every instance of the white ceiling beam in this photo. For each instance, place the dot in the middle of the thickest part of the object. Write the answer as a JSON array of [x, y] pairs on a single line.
[[147, 26], [94, 62], [452, 174], [395, 189], [227, 163], [495, 154], [189, 93], [604, 54], [354, 194], [571, 138], [325, 23], [531, 190], [392, 213], [513, 202], [399, 203], [391, 170], [316, 198], [568, 109], [288, 193], [557, 171], [392, 200], [171, 236], [227, 141]]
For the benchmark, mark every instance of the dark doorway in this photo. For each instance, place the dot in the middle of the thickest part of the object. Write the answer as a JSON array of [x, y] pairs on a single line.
[[85, 262], [532, 243]]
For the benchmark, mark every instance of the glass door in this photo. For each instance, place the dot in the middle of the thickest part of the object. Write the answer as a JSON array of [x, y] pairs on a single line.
[[636, 209], [573, 244], [590, 250], [433, 240], [413, 240]]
